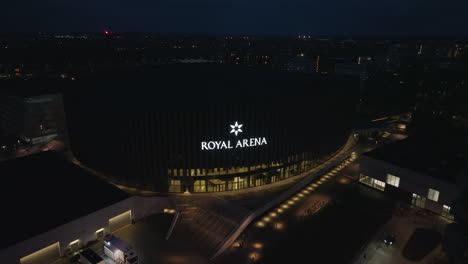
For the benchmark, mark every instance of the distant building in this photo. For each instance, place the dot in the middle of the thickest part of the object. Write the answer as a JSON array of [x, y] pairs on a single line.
[[350, 69], [441, 99], [193, 61], [421, 172], [33, 119], [302, 64]]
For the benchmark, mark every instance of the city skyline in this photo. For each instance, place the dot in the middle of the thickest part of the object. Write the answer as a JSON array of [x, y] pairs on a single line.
[[234, 132]]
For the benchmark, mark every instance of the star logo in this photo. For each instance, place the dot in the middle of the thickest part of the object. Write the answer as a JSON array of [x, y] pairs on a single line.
[[236, 128]]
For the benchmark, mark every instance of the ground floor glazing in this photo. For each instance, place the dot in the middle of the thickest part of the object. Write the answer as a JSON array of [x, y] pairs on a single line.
[[226, 182]]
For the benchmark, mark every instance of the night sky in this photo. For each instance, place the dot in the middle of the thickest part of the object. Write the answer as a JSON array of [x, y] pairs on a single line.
[[327, 17]]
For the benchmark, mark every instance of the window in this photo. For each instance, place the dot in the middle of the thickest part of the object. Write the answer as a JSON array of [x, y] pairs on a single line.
[[366, 180], [199, 186], [259, 182], [446, 212], [393, 180], [175, 186], [380, 185], [418, 201], [273, 179], [239, 183], [433, 195]]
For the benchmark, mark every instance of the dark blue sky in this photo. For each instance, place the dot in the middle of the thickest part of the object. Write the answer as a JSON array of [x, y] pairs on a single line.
[[331, 17]]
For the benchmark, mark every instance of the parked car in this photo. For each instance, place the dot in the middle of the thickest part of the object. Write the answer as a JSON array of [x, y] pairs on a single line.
[[389, 240]]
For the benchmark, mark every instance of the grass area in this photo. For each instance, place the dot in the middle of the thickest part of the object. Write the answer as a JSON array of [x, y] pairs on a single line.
[[335, 234], [421, 243]]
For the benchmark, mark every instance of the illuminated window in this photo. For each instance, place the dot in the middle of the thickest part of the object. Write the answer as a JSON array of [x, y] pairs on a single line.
[[446, 212], [199, 186], [433, 195], [175, 186], [418, 201], [235, 183], [379, 185], [240, 183], [393, 180]]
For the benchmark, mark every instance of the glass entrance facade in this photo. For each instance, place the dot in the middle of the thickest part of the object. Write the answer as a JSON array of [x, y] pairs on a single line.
[[374, 183], [223, 179]]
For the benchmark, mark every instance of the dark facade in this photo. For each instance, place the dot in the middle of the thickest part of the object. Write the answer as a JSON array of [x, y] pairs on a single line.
[[423, 171], [169, 129]]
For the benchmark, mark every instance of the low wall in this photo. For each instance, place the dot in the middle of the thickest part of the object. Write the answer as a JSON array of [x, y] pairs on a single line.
[[84, 228]]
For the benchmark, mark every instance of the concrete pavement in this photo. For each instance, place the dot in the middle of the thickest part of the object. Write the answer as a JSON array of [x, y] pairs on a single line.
[[402, 227]]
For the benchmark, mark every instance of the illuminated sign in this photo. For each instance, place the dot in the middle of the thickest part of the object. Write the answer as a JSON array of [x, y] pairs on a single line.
[[236, 128], [240, 143]]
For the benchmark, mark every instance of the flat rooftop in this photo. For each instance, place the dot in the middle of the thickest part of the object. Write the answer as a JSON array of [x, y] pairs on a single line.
[[43, 191], [441, 157]]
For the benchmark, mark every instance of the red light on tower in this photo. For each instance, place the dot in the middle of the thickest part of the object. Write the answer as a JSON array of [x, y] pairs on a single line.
[[106, 32]]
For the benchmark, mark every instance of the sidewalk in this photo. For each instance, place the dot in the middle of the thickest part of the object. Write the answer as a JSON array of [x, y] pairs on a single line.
[[402, 227]]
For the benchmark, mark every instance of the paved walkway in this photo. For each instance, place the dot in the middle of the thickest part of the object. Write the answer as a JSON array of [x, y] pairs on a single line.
[[402, 227], [205, 221], [290, 219]]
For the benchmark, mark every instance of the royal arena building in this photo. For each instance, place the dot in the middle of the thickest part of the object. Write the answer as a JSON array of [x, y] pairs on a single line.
[[207, 128]]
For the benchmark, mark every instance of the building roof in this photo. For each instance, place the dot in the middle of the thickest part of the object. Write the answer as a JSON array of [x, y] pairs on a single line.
[[439, 157], [43, 191]]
